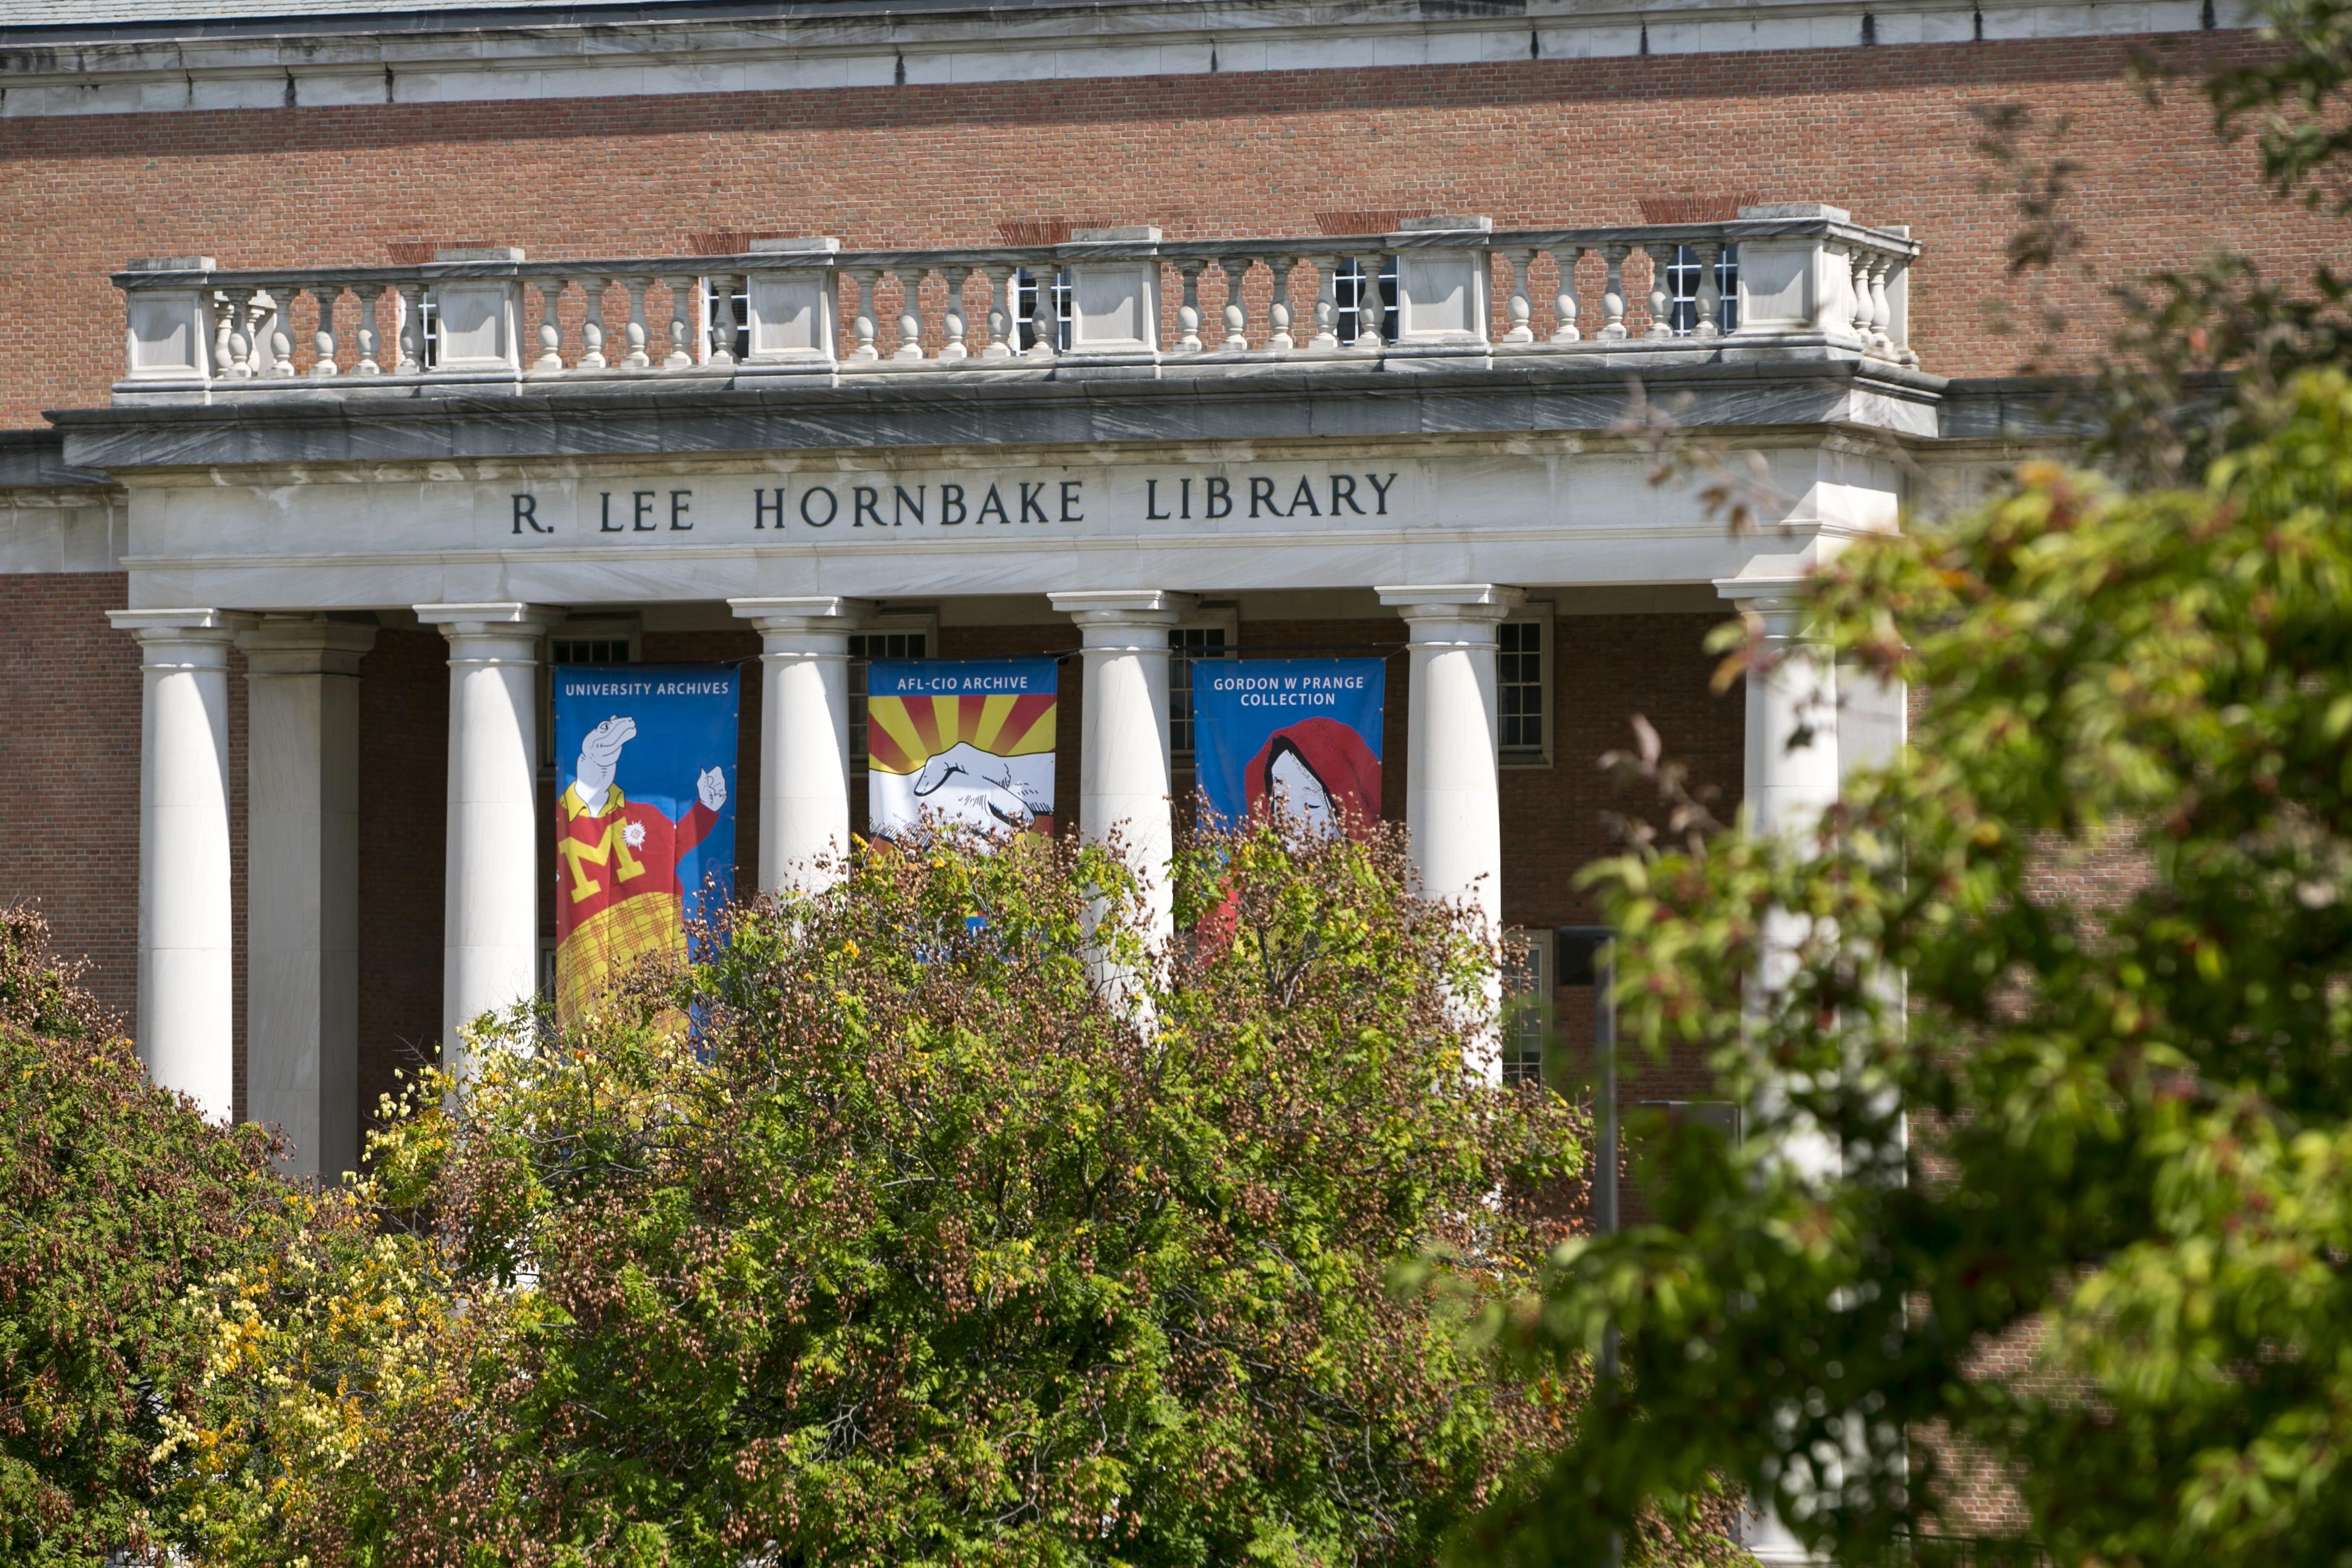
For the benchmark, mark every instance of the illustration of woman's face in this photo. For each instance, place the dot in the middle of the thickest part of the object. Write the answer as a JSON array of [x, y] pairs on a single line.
[[1300, 799]]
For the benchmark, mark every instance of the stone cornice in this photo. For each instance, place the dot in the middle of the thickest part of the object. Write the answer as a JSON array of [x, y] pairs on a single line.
[[1832, 391], [126, 65]]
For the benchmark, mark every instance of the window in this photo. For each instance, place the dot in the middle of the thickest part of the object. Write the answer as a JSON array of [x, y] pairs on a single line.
[[1024, 305], [1526, 1002], [588, 650], [715, 320], [1682, 288], [1523, 692], [909, 640], [1186, 644], [1349, 291]]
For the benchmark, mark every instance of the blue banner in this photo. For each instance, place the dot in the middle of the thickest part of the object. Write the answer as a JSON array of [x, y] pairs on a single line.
[[645, 815], [1299, 739]]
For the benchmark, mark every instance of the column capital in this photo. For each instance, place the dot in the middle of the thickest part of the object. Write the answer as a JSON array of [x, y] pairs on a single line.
[[1434, 605], [189, 638], [304, 645], [1108, 617], [490, 633], [1778, 601], [802, 613], [500, 618]]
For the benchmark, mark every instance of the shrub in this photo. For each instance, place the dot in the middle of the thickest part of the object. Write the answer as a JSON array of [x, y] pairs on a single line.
[[923, 1244], [115, 1198]]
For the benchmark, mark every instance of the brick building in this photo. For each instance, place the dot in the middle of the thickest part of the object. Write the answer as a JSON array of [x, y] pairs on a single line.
[[360, 364]]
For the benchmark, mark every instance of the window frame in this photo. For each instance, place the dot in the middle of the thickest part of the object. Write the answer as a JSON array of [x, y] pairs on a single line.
[[1219, 618], [1539, 615], [922, 623], [1530, 954]]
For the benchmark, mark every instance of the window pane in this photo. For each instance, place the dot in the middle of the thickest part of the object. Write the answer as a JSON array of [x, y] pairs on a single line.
[[863, 647], [1518, 686], [1187, 644]]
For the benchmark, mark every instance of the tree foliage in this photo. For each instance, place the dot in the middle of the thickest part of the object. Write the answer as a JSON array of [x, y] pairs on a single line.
[[116, 1198], [924, 1244]]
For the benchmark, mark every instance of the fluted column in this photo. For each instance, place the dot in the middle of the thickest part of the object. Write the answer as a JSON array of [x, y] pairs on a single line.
[[1123, 757], [301, 1032], [489, 932], [804, 738], [186, 1019]]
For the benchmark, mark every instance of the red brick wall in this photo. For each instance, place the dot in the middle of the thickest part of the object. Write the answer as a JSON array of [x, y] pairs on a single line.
[[404, 772], [69, 692], [1882, 131]]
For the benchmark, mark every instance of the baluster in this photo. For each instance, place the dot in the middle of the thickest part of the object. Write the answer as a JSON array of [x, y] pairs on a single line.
[[1662, 293], [550, 328], [862, 324], [637, 336], [1710, 291], [1327, 304], [1612, 294], [408, 342], [1277, 312], [911, 311], [259, 312], [1882, 313], [953, 350], [1564, 259], [1045, 322], [1371, 309], [223, 331], [1902, 347], [1000, 310], [1236, 314], [592, 329], [238, 360], [1519, 309], [681, 324], [368, 294], [720, 288], [322, 342], [1188, 315], [1860, 265], [281, 331]]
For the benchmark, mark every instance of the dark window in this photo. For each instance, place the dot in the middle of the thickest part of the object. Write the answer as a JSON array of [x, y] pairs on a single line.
[[1519, 686], [863, 647], [714, 319], [1187, 644], [1347, 289], [1682, 287], [592, 650]]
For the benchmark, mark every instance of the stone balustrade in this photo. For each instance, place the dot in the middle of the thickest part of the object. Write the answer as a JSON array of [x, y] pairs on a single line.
[[1108, 301]]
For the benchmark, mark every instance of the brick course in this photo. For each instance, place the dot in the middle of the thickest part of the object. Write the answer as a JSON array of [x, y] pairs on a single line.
[[1883, 130]]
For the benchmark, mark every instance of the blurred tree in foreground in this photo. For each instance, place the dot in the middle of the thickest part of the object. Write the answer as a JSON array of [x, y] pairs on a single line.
[[2109, 1121]]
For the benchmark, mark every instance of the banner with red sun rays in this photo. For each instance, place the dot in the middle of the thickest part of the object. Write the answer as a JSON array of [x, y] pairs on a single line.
[[967, 741]]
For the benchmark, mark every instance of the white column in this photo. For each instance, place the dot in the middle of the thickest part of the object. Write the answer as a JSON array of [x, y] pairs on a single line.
[[186, 1020], [489, 931], [1453, 804], [1792, 772], [302, 978], [804, 738], [1123, 747]]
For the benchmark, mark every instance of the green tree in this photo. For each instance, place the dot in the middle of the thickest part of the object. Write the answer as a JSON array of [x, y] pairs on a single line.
[[922, 1245], [116, 1198]]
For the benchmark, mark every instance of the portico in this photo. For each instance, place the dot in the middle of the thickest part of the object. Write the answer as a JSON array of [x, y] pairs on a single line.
[[1091, 476]]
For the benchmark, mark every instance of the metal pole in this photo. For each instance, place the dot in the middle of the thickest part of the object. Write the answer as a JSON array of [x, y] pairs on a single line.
[[1604, 1191]]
